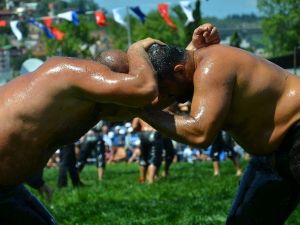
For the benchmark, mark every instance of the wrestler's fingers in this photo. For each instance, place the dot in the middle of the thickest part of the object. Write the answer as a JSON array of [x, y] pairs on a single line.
[[212, 36], [149, 41], [214, 31], [200, 30]]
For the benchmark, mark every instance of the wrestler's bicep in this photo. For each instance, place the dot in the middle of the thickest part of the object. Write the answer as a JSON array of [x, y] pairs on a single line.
[[98, 83], [211, 101]]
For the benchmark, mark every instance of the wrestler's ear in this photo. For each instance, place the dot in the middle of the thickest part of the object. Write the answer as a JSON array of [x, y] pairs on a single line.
[[179, 68]]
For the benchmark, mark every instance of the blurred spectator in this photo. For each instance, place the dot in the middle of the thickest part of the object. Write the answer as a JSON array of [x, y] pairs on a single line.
[[151, 150], [187, 154], [54, 160], [88, 143], [67, 164], [168, 155], [224, 142], [37, 182], [132, 144], [118, 145], [103, 146]]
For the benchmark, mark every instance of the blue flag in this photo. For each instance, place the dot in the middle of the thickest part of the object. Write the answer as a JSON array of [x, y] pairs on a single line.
[[139, 13], [41, 26], [71, 16]]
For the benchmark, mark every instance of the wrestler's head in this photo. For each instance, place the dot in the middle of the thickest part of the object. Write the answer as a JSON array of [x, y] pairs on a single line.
[[115, 59], [171, 64]]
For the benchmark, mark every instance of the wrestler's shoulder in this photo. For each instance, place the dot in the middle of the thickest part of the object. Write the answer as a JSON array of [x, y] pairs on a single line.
[[217, 50]]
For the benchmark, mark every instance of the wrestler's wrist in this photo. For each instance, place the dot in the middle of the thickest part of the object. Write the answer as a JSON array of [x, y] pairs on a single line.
[[146, 111]]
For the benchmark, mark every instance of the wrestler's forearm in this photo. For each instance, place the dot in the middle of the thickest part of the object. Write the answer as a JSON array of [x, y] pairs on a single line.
[[177, 127]]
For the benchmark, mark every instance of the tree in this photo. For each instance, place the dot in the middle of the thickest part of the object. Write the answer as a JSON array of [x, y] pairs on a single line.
[[198, 20], [235, 40], [77, 39], [189, 29], [156, 27], [281, 22], [59, 6]]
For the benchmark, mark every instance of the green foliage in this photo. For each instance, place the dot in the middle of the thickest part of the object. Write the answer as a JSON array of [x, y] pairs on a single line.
[[235, 21], [77, 39], [84, 5], [189, 29], [59, 6], [235, 40], [280, 25], [4, 40], [191, 196]]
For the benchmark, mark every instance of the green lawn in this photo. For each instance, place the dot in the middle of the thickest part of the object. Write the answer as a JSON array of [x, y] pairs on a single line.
[[190, 196]]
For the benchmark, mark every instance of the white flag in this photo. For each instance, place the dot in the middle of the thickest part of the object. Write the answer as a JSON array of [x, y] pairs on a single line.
[[119, 17], [15, 29], [71, 16], [188, 11]]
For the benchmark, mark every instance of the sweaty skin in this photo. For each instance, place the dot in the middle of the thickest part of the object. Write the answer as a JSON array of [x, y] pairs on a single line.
[[64, 98], [59, 102], [140, 125], [252, 98]]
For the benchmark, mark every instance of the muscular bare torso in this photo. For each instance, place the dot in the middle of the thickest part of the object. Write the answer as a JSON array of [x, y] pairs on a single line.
[[38, 116], [42, 111], [265, 100]]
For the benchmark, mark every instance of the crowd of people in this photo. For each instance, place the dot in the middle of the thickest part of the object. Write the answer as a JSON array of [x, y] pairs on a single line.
[[137, 142]]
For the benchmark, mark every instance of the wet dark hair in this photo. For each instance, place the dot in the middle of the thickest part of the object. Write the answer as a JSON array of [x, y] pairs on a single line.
[[164, 58]]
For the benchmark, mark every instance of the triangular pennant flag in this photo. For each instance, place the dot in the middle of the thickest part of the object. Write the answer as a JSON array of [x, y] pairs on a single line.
[[41, 26], [163, 9], [15, 29], [3, 23], [47, 21], [71, 16], [59, 35], [100, 18], [139, 13], [188, 11], [118, 17]]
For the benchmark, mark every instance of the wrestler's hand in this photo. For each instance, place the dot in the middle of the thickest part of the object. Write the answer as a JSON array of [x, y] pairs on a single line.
[[203, 36], [146, 43]]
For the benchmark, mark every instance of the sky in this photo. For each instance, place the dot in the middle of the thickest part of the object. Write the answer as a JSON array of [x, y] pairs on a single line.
[[218, 8]]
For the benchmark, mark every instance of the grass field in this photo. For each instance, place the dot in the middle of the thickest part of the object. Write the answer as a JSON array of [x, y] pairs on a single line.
[[190, 196]]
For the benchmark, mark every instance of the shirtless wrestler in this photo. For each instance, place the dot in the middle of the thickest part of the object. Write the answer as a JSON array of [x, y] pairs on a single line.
[[152, 145], [55, 105], [257, 102], [151, 150]]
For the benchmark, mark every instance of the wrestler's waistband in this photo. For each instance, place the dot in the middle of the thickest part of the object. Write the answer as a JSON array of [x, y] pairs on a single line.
[[7, 191], [290, 137], [282, 155]]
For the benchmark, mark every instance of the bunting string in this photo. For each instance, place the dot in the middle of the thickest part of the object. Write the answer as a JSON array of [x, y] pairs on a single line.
[[46, 24]]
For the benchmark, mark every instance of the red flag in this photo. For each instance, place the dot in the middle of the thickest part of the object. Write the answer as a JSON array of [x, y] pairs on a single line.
[[3, 23], [59, 35], [100, 18], [47, 21], [163, 9]]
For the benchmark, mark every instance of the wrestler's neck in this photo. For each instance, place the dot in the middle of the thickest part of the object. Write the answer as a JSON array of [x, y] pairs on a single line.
[[190, 65]]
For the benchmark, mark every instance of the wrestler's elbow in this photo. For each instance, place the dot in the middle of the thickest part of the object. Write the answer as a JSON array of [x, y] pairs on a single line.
[[52, 64], [199, 141], [146, 94], [54, 60]]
